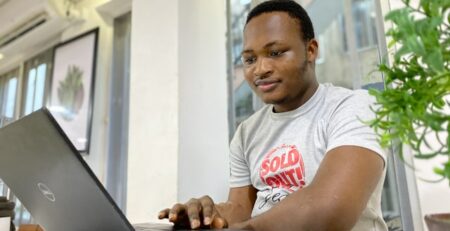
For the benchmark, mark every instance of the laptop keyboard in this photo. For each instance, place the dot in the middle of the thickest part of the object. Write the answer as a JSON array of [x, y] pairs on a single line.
[[151, 226]]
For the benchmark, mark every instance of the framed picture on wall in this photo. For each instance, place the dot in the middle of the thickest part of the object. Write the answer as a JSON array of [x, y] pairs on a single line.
[[72, 87]]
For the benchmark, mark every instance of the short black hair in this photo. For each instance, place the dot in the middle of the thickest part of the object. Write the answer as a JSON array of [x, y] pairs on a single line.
[[294, 10]]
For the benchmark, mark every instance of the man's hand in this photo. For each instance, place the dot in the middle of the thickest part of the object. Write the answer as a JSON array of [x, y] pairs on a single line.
[[204, 213], [196, 213], [6, 208]]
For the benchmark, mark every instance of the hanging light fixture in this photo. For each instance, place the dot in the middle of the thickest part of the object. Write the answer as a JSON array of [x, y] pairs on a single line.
[[70, 5]]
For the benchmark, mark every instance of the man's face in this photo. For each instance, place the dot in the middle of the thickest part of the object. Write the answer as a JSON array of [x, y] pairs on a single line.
[[278, 63]]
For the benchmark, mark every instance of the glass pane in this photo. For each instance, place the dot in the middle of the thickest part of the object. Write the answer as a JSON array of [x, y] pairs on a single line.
[[2, 188], [40, 86], [244, 104], [364, 22], [349, 52], [348, 55], [18, 210], [11, 98], [26, 216], [346, 59], [22, 216], [334, 64], [34, 93], [243, 101], [30, 91]]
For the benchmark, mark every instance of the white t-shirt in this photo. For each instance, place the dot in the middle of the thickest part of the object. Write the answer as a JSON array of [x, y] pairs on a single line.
[[279, 153]]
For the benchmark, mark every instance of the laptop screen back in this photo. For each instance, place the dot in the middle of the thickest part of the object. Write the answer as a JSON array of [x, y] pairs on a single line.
[[49, 176]]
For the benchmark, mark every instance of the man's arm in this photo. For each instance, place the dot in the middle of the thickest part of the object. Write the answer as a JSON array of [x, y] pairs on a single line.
[[203, 212], [239, 206], [335, 198]]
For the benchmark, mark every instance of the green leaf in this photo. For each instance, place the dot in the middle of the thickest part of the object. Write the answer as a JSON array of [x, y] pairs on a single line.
[[439, 171], [435, 60], [425, 5], [448, 137], [394, 15], [417, 81], [415, 45]]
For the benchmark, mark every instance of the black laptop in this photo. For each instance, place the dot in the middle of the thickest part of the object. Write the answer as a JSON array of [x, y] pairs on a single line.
[[49, 176]]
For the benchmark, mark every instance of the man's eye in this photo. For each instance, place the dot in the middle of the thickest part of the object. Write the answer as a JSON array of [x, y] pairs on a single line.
[[275, 53], [248, 60]]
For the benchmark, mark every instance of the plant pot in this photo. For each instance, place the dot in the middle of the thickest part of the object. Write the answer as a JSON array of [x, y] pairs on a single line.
[[438, 222]]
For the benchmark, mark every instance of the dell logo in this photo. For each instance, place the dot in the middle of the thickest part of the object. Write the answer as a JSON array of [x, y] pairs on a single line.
[[46, 192]]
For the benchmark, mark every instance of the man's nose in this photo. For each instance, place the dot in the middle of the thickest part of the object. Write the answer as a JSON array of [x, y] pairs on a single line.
[[263, 68]]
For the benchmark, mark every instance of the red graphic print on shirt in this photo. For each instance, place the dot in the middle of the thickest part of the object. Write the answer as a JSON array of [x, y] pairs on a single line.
[[283, 167]]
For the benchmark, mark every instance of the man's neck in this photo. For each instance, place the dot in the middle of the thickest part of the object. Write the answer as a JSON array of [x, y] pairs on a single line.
[[303, 98]]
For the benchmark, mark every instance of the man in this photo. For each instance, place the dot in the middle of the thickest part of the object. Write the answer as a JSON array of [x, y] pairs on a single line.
[[305, 161], [7, 209]]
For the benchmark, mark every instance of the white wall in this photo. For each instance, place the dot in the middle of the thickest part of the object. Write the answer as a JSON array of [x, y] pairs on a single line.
[[178, 138], [434, 197], [153, 119], [203, 148]]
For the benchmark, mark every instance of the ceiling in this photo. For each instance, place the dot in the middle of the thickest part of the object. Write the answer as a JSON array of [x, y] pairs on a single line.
[[14, 13], [17, 16]]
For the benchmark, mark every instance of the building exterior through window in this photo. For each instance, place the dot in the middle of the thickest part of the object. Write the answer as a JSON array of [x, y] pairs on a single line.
[[349, 51]]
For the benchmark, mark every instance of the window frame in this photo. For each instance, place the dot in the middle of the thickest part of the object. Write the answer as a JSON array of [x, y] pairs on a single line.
[[21, 73], [403, 189], [4, 79], [45, 57]]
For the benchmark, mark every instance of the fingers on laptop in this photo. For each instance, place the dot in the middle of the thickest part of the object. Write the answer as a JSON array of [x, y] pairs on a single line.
[[211, 217], [177, 215], [163, 214], [196, 213], [219, 223]]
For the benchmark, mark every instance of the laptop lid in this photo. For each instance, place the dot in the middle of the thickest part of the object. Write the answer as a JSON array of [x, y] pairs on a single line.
[[50, 177]]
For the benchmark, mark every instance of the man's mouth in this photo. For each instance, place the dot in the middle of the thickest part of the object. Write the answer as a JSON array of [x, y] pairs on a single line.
[[266, 85]]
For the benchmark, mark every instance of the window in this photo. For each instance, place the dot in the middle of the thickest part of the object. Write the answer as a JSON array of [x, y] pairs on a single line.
[[364, 22], [8, 96], [37, 72], [245, 101], [349, 50], [34, 89], [3, 189], [9, 83]]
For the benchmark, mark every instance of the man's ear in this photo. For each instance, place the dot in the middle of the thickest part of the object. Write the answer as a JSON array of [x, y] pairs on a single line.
[[312, 50]]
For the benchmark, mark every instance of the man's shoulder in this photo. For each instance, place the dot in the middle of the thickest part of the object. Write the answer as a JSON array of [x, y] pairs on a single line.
[[251, 124], [342, 104], [258, 116], [335, 95]]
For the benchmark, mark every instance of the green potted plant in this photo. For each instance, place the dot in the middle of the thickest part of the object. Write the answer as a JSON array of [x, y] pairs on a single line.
[[415, 105]]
